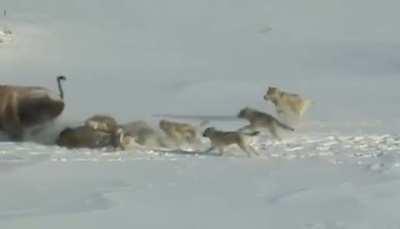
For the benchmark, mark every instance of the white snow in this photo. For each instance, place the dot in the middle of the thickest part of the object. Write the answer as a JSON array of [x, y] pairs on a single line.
[[134, 59], [334, 181], [5, 36]]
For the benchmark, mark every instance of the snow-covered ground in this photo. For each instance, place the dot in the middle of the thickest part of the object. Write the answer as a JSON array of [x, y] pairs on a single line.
[[134, 59], [306, 182], [6, 36]]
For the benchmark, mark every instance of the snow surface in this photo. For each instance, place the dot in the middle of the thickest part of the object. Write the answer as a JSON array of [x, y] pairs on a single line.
[[134, 59], [306, 182]]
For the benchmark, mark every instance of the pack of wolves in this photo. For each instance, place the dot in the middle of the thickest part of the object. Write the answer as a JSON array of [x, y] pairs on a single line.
[[25, 107]]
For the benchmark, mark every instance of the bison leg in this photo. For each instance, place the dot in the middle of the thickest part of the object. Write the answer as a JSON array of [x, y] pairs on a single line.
[[11, 120]]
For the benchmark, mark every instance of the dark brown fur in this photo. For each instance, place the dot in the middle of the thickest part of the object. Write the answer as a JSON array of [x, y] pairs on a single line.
[[24, 107], [86, 137]]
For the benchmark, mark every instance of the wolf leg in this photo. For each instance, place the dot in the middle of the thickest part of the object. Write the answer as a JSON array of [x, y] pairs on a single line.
[[274, 133]]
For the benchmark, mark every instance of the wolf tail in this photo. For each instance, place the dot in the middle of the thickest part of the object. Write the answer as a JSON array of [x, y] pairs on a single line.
[[284, 126], [306, 105], [252, 134]]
